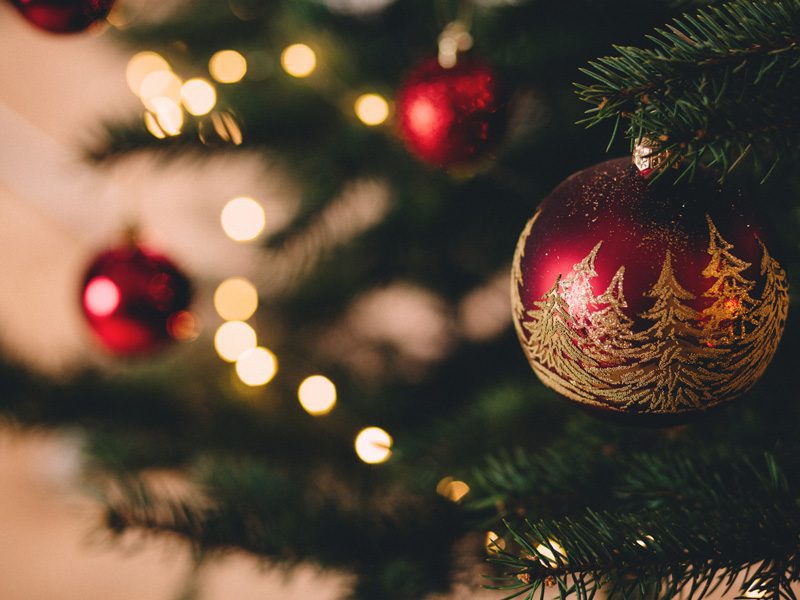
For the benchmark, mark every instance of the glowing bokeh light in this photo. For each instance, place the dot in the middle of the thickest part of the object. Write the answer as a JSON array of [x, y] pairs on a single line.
[[452, 489], [183, 326], [755, 591], [101, 297], [140, 66], [236, 299], [234, 338], [198, 96], [227, 66], [494, 543], [317, 395], [160, 84], [243, 219], [256, 367], [373, 445], [551, 554], [169, 115], [372, 109], [151, 122], [298, 60]]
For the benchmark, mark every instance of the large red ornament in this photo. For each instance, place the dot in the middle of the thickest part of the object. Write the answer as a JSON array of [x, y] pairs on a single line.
[[451, 117], [135, 300], [64, 16], [647, 299]]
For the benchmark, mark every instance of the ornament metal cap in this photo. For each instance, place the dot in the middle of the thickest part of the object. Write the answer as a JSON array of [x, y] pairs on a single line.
[[647, 155]]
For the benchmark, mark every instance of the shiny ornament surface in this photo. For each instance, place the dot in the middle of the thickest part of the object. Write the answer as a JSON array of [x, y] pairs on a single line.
[[646, 299], [451, 117], [134, 299], [64, 16]]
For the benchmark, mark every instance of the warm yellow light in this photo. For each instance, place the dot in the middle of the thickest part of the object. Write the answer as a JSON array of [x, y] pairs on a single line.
[[227, 66], [152, 125], [452, 489], [243, 219], [256, 366], [552, 554], [373, 445], [160, 84], [298, 60], [372, 109], [755, 591], [317, 395], [236, 299], [168, 114], [140, 66], [198, 96], [233, 338], [494, 543]]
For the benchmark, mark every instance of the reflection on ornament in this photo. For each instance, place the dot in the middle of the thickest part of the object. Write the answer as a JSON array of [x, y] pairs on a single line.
[[101, 297], [678, 351]]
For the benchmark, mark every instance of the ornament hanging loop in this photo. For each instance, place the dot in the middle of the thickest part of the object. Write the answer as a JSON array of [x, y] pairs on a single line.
[[648, 156]]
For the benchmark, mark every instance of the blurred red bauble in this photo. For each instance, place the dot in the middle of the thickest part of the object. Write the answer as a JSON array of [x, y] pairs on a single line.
[[451, 117], [135, 300], [642, 298], [64, 16]]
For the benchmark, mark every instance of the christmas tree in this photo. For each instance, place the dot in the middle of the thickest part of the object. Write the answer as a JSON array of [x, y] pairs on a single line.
[[429, 446]]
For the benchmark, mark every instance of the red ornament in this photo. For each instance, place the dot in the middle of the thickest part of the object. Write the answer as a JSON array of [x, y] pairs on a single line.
[[646, 299], [64, 16], [451, 117], [135, 300]]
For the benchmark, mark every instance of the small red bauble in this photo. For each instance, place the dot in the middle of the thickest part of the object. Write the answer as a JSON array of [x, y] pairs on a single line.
[[64, 16], [451, 117], [135, 300], [647, 299]]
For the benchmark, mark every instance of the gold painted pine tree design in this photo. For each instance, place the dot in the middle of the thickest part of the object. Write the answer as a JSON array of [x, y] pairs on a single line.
[[584, 346], [727, 317]]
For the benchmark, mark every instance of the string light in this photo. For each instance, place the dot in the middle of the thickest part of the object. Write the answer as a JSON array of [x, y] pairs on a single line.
[[298, 60], [140, 66], [317, 395], [198, 96], [168, 114], [452, 489], [152, 125], [236, 299], [233, 338], [256, 367], [227, 66], [160, 84], [754, 590], [372, 109], [494, 543], [552, 553], [373, 445], [243, 219]]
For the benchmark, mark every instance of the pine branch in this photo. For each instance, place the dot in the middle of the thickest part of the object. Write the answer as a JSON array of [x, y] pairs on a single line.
[[678, 523], [716, 86]]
